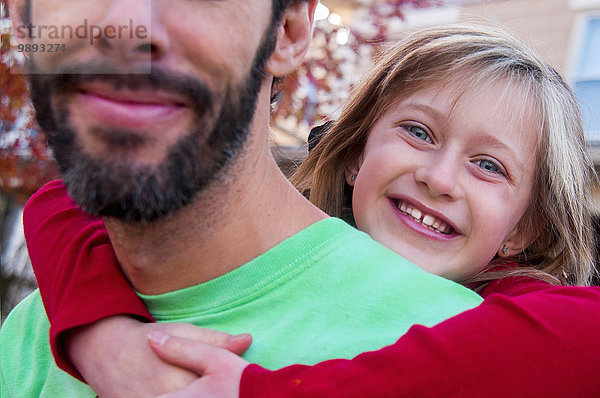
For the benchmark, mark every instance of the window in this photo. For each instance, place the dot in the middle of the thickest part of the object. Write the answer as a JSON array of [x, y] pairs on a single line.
[[586, 77]]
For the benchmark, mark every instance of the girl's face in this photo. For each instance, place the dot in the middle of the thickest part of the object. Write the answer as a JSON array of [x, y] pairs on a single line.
[[444, 180]]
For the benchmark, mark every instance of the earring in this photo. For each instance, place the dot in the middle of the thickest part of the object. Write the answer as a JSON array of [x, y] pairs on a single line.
[[504, 249], [353, 177]]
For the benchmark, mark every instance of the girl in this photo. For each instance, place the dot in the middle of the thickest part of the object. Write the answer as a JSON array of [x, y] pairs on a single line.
[[464, 153]]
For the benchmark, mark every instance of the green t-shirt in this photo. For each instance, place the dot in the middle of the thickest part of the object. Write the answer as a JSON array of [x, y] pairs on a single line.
[[329, 291]]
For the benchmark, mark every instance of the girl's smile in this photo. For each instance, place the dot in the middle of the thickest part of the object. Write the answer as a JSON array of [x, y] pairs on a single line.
[[424, 220]]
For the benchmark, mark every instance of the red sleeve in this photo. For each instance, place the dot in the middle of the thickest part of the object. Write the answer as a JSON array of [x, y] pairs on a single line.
[[526, 339], [78, 274]]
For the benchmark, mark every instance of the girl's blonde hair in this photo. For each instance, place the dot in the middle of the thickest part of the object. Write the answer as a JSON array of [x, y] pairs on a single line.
[[559, 212]]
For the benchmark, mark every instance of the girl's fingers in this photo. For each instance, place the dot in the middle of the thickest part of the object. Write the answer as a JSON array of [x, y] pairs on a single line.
[[220, 371], [186, 353], [197, 389], [238, 344]]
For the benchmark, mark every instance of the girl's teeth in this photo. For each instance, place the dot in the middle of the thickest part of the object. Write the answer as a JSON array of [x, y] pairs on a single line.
[[416, 213], [428, 220]]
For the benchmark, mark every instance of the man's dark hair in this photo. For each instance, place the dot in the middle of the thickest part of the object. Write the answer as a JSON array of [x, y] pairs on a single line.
[[25, 13], [279, 6]]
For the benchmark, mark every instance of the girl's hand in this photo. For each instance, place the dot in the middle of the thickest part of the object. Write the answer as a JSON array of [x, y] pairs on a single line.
[[114, 357], [220, 370]]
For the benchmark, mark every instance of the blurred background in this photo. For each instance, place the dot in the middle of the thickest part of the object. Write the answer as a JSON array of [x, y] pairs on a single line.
[[347, 37]]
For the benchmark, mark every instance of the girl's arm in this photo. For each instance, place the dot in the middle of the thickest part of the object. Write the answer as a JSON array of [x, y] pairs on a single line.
[[79, 278], [526, 339]]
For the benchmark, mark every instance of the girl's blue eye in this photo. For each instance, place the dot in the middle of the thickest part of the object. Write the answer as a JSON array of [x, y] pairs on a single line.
[[488, 165], [419, 133]]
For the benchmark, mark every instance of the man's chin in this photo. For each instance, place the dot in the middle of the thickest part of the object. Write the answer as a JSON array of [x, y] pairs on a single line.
[[126, 194], [127, 160]]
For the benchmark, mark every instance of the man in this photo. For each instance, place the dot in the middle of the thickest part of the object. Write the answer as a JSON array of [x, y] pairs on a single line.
[[165, 136]]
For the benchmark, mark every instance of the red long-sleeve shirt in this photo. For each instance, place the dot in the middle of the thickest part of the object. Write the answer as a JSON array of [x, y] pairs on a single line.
[[527, 338]]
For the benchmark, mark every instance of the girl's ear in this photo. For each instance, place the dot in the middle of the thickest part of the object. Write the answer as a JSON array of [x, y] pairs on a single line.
[[294, 35], [351, 173], [352, 168], [518, 240]]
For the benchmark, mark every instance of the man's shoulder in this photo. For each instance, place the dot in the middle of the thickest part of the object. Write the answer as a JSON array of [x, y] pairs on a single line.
[[349, 247], [28, 316], [27, 368], [333, 235], [353, 260], [345, 248]]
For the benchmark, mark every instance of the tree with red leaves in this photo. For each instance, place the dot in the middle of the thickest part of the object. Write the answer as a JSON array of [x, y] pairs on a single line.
[[25, 162]]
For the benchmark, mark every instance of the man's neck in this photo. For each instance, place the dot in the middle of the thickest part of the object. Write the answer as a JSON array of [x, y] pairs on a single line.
[[223, 228]]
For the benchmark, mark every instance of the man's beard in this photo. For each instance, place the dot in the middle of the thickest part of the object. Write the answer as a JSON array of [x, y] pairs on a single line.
[[143, 194]]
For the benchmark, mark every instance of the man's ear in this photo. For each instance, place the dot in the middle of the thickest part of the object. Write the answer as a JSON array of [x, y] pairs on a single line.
[[293, 38], [17, 14]]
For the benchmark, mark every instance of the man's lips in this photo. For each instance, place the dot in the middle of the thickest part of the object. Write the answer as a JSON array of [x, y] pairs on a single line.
[[126, 109]]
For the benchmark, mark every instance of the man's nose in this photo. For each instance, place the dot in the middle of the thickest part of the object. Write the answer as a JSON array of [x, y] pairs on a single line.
[[132, 32]]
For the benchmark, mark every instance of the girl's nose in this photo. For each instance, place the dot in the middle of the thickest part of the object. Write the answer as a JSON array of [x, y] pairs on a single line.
[[439, 176]]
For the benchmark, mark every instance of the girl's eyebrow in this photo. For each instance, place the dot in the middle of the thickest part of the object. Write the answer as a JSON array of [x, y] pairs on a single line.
[[426, 108], [494, 142]]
